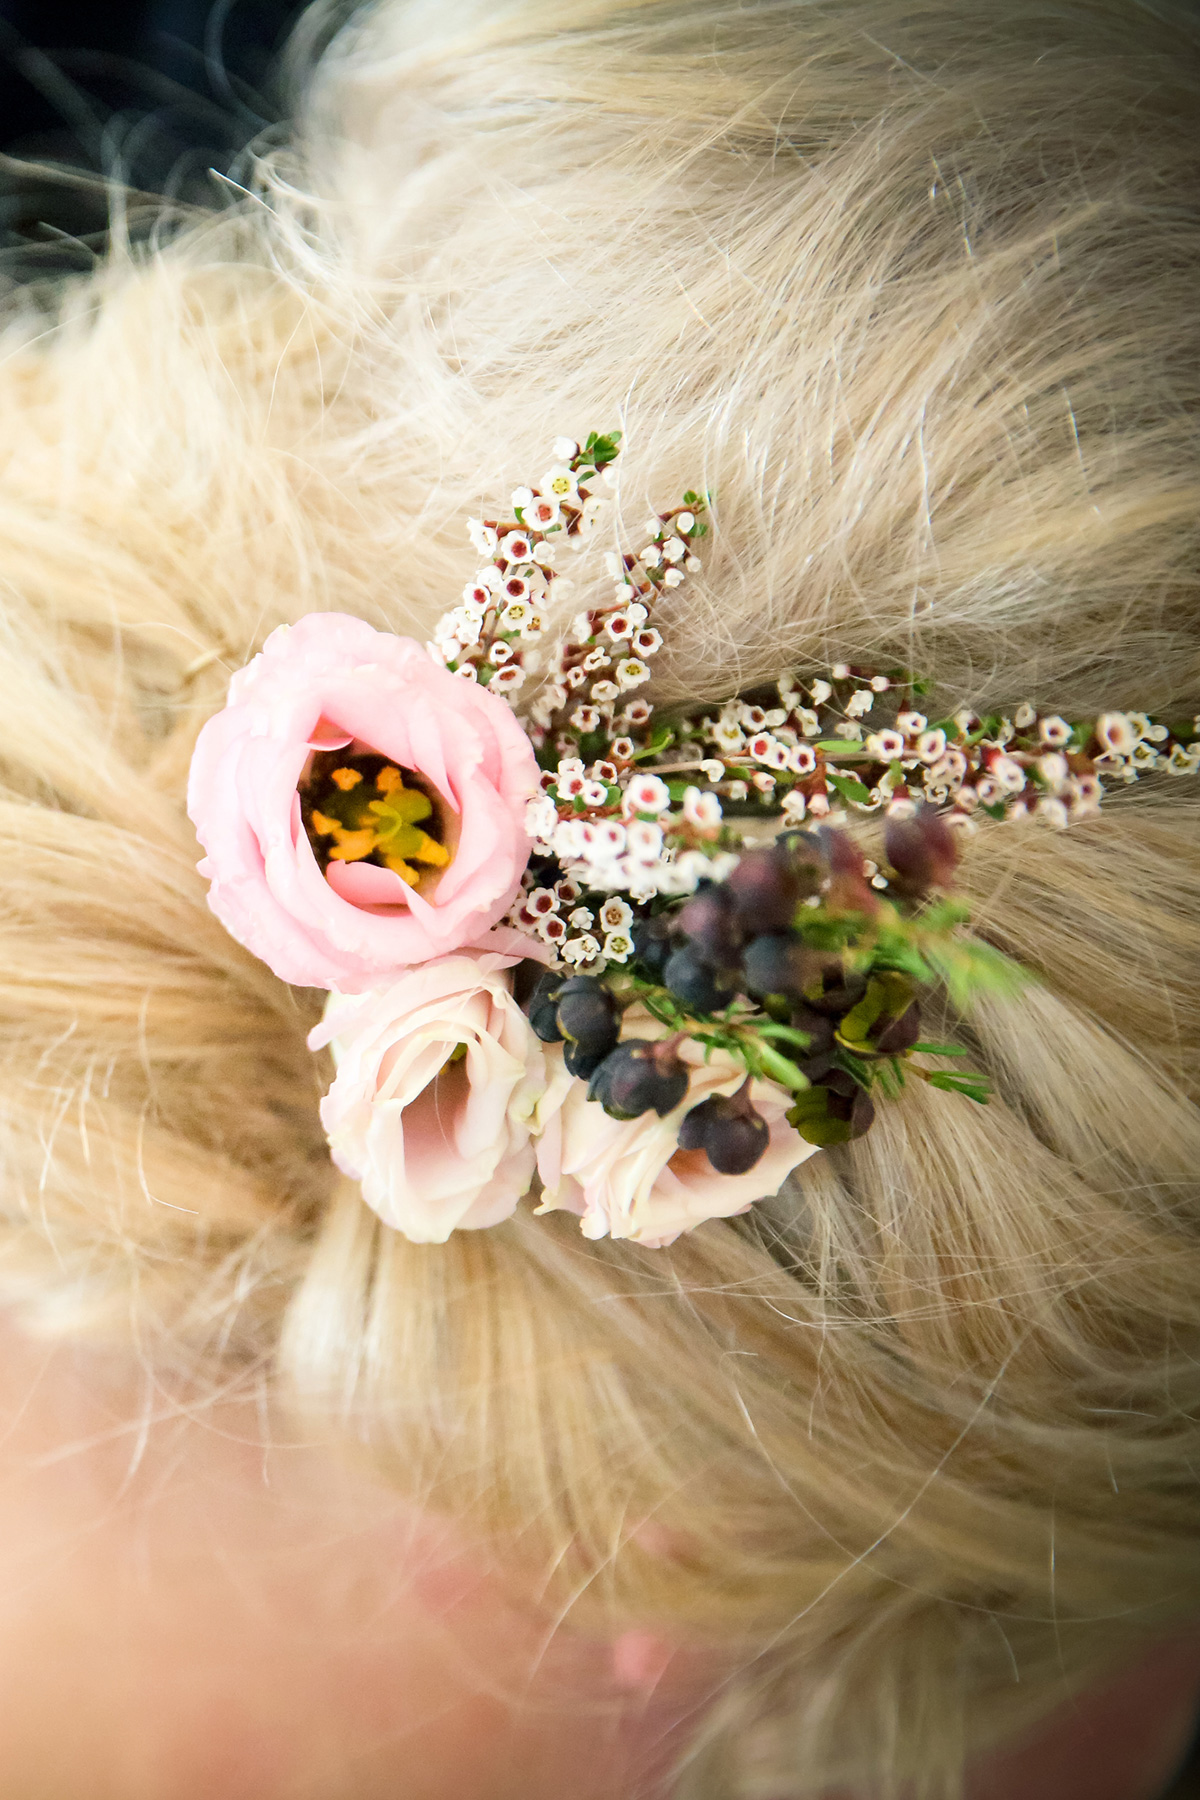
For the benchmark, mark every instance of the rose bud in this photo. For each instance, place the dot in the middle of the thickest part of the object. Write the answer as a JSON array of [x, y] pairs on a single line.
[[710, 924], [543, 1007], [587, 1014], [692, 981], [922, 850], [776, 963], [641, 1075], [898, 1034], [848, 1102], [835, 991], [729, 1131], [818, 1028], [651, 945], [765, 889], [583, 1063]]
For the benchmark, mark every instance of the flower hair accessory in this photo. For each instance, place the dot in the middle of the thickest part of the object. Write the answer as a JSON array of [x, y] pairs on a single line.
[[637, 956]]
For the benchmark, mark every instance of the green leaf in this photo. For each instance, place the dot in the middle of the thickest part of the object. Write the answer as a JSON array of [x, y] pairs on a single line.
[[849, 787], [840, 745], [662, 739], [780, 1068], [786, 1034], [971, 1087], [937, 1050]]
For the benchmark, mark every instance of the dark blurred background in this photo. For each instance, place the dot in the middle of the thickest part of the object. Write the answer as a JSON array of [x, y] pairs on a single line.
[[159, 94]]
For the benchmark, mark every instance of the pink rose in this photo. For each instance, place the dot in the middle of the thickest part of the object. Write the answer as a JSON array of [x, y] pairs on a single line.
[[362, 808], [630, 1179], [440, 1084]]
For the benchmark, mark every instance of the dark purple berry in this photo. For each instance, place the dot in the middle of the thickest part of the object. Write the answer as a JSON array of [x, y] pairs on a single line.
[[922, 849], [543, 1007], [834, 992], [587, 1014], [765, 890], [583, 1063], [698, 986], [641, 1075], [652, 945], [729, 1131], [710, 925], [776, 963]]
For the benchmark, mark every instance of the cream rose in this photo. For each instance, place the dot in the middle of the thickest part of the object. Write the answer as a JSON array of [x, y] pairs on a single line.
[[440, 1084], [630, 1179]]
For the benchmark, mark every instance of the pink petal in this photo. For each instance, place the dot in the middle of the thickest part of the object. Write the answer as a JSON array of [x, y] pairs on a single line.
[[325, 735], [362, 884]]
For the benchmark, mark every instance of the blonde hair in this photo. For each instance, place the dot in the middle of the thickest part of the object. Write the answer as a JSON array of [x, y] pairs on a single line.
[[912, 290]]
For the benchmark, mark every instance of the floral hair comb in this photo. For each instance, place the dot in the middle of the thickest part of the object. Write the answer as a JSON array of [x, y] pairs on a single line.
[[635, 955]]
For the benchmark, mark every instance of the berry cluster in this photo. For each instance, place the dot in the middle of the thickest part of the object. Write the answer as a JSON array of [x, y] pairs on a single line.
[[797, 966]]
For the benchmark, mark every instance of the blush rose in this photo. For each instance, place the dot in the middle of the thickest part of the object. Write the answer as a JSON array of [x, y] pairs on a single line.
[[630, 1179], [440, 1085], [328, 682]]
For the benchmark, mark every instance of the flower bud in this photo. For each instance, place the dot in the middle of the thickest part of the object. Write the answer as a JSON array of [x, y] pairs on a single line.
[[895, 1035], [587, 1014], [848, 1102], [922, 849], [729, 1131], [835, 991], [641, 1075], [698, 986]]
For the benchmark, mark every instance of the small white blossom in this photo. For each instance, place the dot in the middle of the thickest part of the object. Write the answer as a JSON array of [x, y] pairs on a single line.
[[643, 840], [605, 692], [820, 692], [1116, 734], [560, 482], [701, 810], [1025, 716], [763, 782], [632, 672], [517, 547], [605, 772], [575, 677], [808, 721], [615, 915], [594, 794], [802, 759], [712, 770], [1158, 734], [794, 806], [674, 550], [880, 684], [581, 919], [564, 450], [860, 703], [685, 522], [911, 723], [583, 949], [646, 794], [543, 513], [638, 712], [541, 902], [738, 790], [552, 930], [729, 738], [1008, 773], [618, 946], [1054, 731], [541, 817], [482, 536], [618, 628], [848, 728], [597, 659], [692, 563], [1054, 770], [840, 671], [651, 557], [571, 785], [467, 671], [586, 718], [568, 839], [1052, 812], [818, 805], [500, 652], [581, 627], [623, 749], [674, 578], [931, 745], [886, 745], [648, 643]]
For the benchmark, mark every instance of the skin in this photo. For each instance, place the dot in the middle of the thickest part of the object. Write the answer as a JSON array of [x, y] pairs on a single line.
[[194, 1610]]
